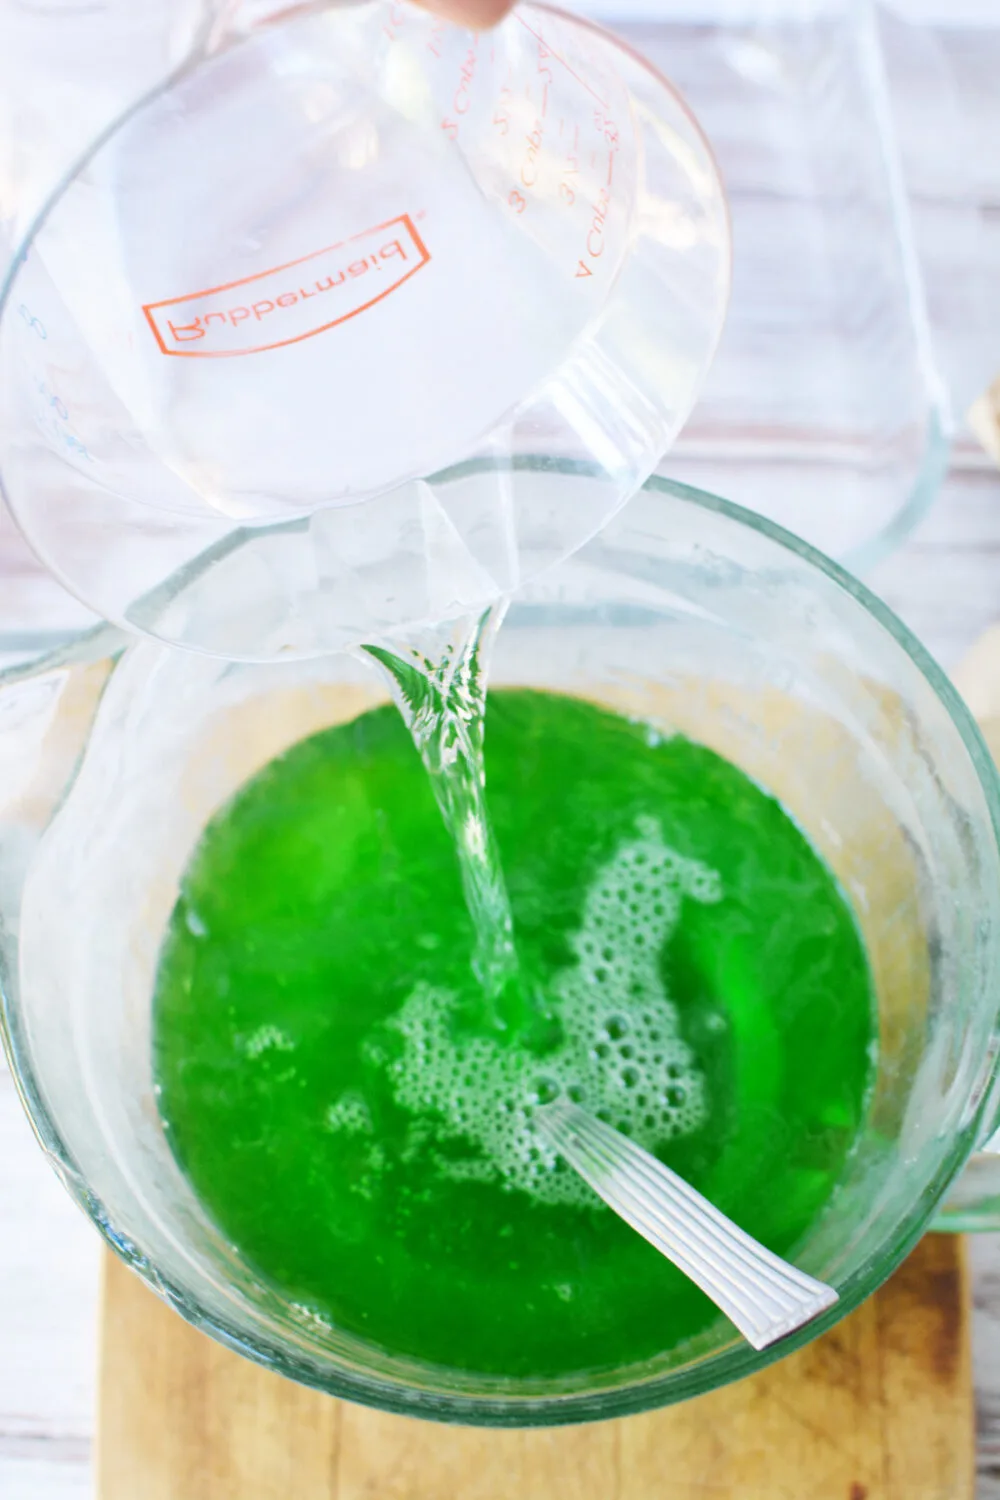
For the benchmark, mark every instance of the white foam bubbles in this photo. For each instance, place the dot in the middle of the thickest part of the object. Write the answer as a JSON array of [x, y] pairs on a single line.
[[621, 1055], [266, 1039], [350, 1114]]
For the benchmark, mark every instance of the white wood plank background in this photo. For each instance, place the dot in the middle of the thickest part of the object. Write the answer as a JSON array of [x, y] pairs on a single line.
[[945, 583]]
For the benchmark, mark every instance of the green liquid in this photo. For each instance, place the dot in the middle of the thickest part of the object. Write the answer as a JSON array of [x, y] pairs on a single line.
[[354, 1124]]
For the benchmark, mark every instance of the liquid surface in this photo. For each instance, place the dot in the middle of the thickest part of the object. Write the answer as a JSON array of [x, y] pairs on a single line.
[[350, 1118]]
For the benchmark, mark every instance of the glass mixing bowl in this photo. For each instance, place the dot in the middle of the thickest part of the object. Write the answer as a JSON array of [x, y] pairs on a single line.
[[688, 612]]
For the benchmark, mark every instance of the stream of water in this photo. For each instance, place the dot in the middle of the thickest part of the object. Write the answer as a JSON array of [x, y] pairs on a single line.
[[438, 679]]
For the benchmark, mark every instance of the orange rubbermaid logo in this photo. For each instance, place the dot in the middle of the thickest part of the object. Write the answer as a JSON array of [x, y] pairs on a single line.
[[293, 301]]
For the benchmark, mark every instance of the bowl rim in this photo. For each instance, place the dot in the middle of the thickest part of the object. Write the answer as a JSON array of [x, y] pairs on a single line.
[[707, 1373]]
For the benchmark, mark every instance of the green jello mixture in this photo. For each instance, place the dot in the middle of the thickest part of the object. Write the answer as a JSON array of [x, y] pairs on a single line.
[[348, 1116]]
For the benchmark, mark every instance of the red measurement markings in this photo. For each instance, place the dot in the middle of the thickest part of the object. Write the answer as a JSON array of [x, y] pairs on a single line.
[[545, 74], [467, 72], [462, 102], [501, 115], [595, 234], [436, 37], [595, 241], [393, 21], [605, 123], [562, 61], [529, 166], [571, 168]]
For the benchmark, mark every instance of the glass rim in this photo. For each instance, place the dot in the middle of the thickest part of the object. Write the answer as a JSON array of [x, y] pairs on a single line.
[[200, 52], [531, 1410]]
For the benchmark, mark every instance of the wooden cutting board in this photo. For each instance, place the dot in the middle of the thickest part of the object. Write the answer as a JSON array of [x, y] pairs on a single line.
[[880, 1408]]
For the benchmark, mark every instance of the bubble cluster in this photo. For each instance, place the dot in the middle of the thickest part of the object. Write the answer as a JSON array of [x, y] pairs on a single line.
[[350, 1114], [310, 1316], [620, 1056], [266, 1039]]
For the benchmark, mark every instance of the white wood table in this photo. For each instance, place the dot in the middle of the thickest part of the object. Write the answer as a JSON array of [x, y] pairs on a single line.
[[945, 583]]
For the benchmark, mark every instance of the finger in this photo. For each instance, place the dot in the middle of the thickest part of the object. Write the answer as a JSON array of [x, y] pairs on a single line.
[[479, 15]]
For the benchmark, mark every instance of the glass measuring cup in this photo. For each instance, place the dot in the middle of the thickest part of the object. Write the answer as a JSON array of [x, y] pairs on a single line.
[[67, 70], [344, 246], [688, 612]]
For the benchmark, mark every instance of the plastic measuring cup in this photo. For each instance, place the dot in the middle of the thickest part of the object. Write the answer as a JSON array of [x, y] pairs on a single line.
[[67, 70], [341, 248]]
